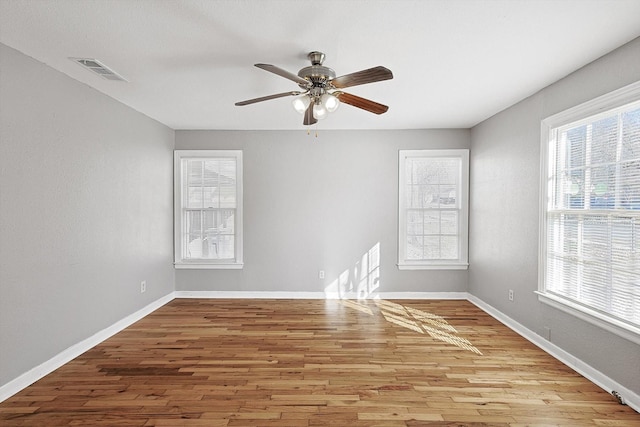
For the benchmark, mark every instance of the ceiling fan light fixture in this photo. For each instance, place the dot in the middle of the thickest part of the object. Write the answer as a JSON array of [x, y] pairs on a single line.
[[301, 103], [319, 111], [330, 102]]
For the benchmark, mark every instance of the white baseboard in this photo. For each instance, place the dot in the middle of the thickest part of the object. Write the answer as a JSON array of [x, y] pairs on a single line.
[[249, 295], [65, 356], [424, 295], [316, 295], [631, 398]]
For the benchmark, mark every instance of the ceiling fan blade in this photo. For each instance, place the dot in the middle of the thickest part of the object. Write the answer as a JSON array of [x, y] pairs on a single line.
[[283, 73], [266, 98], [308, 115], [370, 75], [363, 103]]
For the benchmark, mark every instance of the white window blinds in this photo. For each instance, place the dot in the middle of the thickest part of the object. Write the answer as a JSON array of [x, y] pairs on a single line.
[[593, 214]]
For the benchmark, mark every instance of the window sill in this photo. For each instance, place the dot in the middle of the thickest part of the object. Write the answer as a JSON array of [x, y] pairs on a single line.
[[208, 266], [408, 266], [607, 323]]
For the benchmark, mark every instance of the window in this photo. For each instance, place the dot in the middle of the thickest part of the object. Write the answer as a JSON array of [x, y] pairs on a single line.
[[590, 231], [433, 209], [208, 209]]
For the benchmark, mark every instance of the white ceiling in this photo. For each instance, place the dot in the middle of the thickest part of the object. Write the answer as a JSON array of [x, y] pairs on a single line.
[[455, 62]]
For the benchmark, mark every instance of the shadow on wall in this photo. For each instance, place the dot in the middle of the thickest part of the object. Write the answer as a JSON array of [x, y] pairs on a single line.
[[357, 286]]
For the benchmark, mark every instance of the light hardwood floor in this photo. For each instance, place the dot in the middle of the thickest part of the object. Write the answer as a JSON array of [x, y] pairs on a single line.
[[312, 363]]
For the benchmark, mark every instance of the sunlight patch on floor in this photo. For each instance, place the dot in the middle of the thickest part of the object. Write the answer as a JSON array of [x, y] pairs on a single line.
[[356, 287]]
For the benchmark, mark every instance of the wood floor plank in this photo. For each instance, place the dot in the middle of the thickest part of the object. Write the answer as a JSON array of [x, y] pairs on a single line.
[[315, 363]]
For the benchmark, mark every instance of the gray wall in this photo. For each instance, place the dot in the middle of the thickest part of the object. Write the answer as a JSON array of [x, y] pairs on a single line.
[[505, 180], [85, 212], [320, 203]]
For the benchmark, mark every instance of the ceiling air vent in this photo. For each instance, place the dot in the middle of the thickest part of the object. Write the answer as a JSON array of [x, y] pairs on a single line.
[[99, 68]]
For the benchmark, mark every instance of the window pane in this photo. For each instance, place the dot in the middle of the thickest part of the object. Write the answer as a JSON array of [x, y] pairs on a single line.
[[571, 189], [604, 140], [448, 171], [225, 246], [198, 226], [447, 195], [209, 197], [591, 290], [414, 248], [631, 135], [414, 223], [225, 221], [449, 222], [603, 187], [423, 196], [193, 223], [227, 196], [567, 228], [419, 172], [196, 181], [195, 170], [195, 247], [227, 183], [449, 247], [595, 241], [432, 247], [576, 138], [629, 184], [432, 222]]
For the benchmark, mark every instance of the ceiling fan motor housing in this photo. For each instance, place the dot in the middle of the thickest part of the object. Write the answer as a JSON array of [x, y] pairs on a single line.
[[318, 75]]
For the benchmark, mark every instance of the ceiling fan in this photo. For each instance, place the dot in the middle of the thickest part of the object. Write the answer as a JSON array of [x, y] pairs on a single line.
[[321, 92]]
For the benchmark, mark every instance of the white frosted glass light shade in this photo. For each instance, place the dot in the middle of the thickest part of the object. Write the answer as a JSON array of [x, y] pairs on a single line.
[[301, 103], [319, 111], [330, 102]]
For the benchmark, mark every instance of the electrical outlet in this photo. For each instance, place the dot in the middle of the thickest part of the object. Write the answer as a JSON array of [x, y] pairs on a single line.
[[321, 274], [510, 294], [143, 286]]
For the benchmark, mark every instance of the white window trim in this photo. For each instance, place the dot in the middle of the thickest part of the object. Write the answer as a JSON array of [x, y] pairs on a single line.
[[179, 263], [463, 261], [587, 109]]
